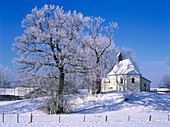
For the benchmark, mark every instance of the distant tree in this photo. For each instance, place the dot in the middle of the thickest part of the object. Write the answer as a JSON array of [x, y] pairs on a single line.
[[6, 76], [165, 82], [51, 39], [0, 75], [168, 62], [99, 47]]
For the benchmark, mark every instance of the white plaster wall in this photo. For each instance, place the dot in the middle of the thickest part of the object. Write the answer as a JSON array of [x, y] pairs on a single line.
[[111, 85], [144, 81], [133, 86], [127, 84]]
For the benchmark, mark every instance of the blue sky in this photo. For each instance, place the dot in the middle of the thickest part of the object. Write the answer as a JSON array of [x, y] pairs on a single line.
[[144, 26]]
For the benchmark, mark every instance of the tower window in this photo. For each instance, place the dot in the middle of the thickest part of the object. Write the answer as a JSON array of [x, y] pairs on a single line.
[[133, 80], [121, 80], [144, 85]]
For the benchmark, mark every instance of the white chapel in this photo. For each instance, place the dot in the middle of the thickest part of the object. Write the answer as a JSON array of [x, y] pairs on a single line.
[[124, 77]]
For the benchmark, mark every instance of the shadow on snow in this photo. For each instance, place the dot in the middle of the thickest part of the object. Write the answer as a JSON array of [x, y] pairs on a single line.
[[153, 101]]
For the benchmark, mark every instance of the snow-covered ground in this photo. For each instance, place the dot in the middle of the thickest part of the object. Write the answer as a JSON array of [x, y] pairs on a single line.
[[91, 111]]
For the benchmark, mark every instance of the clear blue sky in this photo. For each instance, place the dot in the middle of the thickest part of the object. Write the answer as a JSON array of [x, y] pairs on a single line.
[[144, 26]]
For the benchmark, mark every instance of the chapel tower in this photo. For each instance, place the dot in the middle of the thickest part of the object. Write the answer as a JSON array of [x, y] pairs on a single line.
[[119, 57]]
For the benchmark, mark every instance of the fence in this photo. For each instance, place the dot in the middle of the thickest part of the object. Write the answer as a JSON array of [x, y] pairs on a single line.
[[30, 118]]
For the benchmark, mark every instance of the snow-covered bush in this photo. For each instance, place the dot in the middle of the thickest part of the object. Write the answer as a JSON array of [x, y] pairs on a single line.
[[51, 105]]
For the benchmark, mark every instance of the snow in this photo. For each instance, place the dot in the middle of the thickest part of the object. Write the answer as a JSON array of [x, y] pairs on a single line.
[[118, 54], [160, 89], [95, 109], [124, 67], [77, 121]]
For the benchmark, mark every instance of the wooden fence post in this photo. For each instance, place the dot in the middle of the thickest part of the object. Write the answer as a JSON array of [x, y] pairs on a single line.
[[106, 119], [129, 118], [2, 117], [31, 118], [59, 119], [17, 117], [150, 118], [84, 119]]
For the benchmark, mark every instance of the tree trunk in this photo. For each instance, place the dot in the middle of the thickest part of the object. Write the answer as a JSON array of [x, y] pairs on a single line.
[[93, 87], [98, 84], [93, 90], [60, 91], [98, 80], [88, 86], [88, 82]]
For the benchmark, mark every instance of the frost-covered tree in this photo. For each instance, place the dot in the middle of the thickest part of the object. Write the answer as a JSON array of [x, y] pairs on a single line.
[[99, 47], [6, 76], [168, 62], [165, 82], [51, 39], [0, 75]]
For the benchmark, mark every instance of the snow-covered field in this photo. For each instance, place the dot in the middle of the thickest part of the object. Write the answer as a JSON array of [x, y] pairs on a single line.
[[91, 111]]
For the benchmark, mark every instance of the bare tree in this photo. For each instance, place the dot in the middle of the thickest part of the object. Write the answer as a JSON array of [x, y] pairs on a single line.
[[99, 45], [51, 39], [165, 82]]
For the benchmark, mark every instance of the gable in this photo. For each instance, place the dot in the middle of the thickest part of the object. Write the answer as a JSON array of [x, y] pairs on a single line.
[[124, 67]]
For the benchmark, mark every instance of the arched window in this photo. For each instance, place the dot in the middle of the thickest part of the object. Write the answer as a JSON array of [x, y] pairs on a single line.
[[144, 87], [121, 80], [133, 80]]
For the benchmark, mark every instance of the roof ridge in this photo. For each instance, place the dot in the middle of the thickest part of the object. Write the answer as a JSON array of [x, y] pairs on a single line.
[[124, 67]]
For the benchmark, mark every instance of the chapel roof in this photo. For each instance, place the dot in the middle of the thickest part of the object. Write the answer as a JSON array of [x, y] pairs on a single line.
[[124, 67]]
